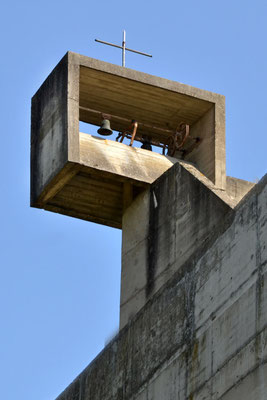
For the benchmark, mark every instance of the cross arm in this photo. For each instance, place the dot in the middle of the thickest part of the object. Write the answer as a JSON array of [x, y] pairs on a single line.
[[121, 47]]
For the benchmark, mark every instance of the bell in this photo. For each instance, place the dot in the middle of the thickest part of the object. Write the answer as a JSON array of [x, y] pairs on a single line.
[[105, 128], [146, 144]]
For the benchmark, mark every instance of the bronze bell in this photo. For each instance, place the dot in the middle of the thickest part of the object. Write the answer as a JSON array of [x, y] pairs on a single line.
[[105, 128]]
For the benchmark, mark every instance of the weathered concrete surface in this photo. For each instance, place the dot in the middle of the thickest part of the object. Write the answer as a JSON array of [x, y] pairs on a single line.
[[49, 130], [94, 188], [236, 188], [179, 213], [203, 335], [163, 103], [81, 88], [127, 163], [190, 207], [54, 128]]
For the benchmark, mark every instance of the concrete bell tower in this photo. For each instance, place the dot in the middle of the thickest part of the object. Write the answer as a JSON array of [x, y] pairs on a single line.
[[193, 310]]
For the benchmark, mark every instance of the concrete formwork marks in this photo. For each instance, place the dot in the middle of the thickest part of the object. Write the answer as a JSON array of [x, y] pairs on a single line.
[[203, 335]]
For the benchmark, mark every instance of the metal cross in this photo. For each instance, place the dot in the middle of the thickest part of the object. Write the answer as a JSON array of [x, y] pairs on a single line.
[[123, 48]]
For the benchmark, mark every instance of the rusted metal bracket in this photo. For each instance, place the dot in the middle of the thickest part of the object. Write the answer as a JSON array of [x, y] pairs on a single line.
[[178, 139], [181, 141], [129, 135], [174, 142]]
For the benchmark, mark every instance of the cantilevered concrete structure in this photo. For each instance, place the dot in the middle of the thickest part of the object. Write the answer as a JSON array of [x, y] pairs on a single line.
[[63, 159], [193, 313]]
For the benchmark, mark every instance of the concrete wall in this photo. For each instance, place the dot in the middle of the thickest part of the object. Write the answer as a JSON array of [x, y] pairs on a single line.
[[211, 143], [165, 226], [203, 334], [162, 229], [49, 144], [54, 125], [237, 188]]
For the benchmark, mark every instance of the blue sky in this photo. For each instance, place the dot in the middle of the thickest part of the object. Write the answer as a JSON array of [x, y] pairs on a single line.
[[60, 277]]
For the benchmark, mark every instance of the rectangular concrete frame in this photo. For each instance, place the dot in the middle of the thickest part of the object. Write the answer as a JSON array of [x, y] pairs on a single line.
[[67, 178]]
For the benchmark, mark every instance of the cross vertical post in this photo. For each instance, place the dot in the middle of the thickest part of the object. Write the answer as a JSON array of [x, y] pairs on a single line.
[[123, 47]]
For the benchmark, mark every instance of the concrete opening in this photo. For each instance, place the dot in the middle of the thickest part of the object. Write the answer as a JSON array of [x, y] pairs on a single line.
[[165, 119]]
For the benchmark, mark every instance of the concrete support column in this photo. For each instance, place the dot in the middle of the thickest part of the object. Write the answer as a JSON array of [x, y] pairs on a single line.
[[163, 228]]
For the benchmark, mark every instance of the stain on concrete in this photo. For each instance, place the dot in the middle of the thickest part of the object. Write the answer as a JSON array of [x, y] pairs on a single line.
[[152, 240], [167, 348]]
